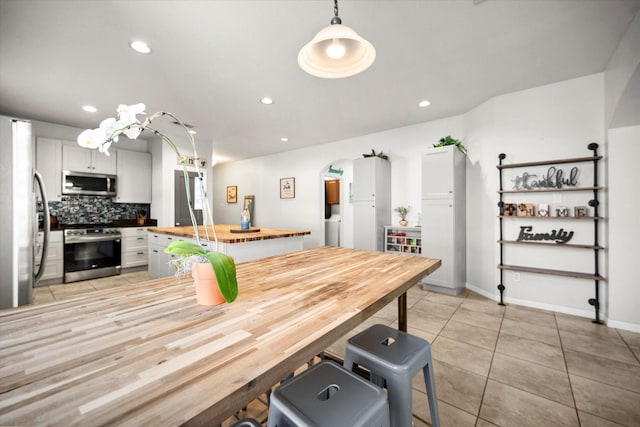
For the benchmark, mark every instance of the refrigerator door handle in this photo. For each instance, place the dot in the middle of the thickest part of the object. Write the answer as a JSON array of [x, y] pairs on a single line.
[[47, 228]]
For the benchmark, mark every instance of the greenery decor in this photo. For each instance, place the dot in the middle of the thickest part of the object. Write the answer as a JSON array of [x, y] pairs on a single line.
[[447, 140], [374, 154], [129, 125], [402, 211]]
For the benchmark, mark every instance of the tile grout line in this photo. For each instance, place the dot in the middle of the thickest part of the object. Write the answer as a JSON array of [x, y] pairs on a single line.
[[493, 354], [628, 345], [566, 366]]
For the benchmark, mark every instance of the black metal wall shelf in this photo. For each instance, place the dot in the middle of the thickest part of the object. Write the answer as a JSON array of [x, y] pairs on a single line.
[[596, 248], [555, 218], [552, 245], [551, 190]]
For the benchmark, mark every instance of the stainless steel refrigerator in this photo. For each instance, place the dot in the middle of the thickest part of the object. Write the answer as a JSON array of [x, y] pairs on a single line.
[[22, 201]]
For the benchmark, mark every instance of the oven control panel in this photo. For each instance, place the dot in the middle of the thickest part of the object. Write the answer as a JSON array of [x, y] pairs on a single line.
[[111, 231]]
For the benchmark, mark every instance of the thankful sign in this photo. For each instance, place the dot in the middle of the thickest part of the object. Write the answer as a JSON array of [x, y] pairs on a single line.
[[554, 178], [558, 236]]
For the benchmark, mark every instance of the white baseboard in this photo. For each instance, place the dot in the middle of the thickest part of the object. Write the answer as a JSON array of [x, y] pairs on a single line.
[[534, 304], [633, 327]]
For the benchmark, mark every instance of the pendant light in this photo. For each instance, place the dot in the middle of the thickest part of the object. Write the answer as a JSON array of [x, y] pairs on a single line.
[[336, 51]]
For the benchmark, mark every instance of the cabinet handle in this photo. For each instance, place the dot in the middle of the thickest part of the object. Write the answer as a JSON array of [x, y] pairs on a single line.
[[141, 253], [155, 250], [140, 238]]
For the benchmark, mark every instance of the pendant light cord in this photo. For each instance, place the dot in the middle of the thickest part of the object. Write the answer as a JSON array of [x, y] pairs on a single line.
[[336, 19]]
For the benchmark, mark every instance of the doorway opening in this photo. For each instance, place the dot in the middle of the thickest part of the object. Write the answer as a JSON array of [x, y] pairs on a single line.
[[181, 207], [334, 181]]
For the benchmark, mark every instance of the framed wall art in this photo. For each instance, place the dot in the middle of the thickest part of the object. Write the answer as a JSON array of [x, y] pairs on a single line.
[[232, 194], [287, 188]]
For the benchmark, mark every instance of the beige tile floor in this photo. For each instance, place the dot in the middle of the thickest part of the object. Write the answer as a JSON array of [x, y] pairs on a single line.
[[494, 365]]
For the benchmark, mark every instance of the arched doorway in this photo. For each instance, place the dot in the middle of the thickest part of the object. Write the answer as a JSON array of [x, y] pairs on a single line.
[[335, 181]]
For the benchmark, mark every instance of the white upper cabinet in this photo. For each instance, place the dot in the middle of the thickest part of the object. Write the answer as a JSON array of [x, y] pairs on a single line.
[[134, 177], [442, 172], [79, 159], [371, 178], [49, 164]]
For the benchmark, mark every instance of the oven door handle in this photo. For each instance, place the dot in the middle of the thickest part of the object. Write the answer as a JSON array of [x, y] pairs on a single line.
[[90, 239]]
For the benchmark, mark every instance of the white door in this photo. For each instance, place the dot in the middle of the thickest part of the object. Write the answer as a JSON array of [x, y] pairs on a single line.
[[364, 226], [364, 179], [438, 239], [437, 173]]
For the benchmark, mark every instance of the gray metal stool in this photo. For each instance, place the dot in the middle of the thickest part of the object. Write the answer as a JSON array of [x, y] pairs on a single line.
[[395, 357], [247, 422], [327, 395]]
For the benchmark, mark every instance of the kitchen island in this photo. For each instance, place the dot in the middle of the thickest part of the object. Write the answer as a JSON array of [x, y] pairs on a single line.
[[242, 246], [146, 354]]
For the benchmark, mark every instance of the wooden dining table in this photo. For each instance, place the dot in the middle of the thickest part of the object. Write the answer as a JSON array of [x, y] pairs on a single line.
[[147, 354]]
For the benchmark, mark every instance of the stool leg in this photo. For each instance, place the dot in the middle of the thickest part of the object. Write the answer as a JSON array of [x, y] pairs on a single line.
[[400, 404], [430, 385]]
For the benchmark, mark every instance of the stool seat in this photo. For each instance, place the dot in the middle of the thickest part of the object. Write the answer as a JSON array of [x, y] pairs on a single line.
[[394, 357], [247, 422], [326, 395]]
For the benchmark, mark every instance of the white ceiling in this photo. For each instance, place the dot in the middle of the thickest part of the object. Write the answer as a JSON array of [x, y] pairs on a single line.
[[212, 61]]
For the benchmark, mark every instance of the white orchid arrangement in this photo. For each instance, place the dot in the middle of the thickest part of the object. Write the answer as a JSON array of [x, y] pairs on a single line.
[[128, 124]]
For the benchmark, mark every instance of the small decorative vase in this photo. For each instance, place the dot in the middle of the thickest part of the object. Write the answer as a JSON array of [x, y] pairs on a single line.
[[204, 279], [404, 222]]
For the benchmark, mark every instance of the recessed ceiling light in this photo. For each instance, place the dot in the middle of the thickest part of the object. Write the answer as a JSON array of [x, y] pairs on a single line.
[[89, 109], [266, 100], [424, 103], [284, 139], [140, 46]]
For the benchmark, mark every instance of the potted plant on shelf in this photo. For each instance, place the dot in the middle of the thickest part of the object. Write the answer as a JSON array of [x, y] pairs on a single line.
[[447, 140], [194, 257], [374, 154], [402, 211]]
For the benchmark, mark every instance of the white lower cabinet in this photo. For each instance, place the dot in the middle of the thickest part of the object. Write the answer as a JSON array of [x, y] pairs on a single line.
[[159, 261], [53, 270], [134, 247]]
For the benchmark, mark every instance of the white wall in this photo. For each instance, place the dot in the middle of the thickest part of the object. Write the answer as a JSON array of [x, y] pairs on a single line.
[[545, 123], [261, 177], [164, 165], [624, 228], [623, 71], [551, 122]]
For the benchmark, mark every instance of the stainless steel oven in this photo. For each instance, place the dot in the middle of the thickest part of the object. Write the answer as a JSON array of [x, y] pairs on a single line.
[[91, 251]]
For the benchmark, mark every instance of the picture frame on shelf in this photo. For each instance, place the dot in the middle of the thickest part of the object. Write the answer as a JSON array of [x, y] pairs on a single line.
[[287, 188], [543, 209], [510, 209], [232, 194], [525, 209]]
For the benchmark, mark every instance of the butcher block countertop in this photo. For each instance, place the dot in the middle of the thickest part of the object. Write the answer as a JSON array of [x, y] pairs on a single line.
[[146, 354], [225, 235]]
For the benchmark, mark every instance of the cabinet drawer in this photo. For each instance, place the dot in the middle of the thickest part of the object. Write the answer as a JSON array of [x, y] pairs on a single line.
[[163, 240], [132, 243], [135, 258], [134, 231]]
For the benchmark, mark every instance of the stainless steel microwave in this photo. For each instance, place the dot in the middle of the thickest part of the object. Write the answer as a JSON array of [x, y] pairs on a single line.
[[91, 184]]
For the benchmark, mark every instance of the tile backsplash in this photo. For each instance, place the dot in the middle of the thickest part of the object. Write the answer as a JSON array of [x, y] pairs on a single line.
[[93, 209]]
